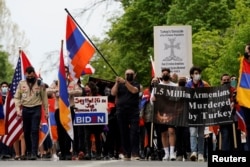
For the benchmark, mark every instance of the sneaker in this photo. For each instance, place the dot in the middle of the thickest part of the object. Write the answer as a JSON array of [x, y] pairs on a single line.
[[98, 157], [187, 157], [193, 156], [107, 158], [33, 157], [172, 156], [200, 158], [126, 158], [135, 158], [48, 155], [179, 158], [5, 156], [68, 157], [23, 157], [166, 157], [87, 156], [54, 157], [121, 156]]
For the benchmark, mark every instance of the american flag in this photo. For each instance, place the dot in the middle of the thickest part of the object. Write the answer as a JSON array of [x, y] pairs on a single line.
[[13, 123]]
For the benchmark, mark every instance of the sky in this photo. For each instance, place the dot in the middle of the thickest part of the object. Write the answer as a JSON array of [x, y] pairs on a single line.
[[44, 25]]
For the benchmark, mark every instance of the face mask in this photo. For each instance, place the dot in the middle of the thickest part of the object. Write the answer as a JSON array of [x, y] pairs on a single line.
[[197, 77], [225, 83], [31, 80], [165, 77], [233, 83], [130, 77], [140, 94], [246, 55], [4, 90]]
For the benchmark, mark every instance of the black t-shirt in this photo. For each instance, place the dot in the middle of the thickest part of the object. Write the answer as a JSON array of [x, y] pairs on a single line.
[[127, 100]]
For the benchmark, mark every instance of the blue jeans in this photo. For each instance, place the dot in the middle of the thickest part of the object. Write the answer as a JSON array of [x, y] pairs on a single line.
[[197, 133], [129, 128], [31, 125]]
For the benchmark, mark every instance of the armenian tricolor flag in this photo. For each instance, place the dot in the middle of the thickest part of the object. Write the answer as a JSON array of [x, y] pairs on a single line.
[[79, 48], [243, 88], [64, 109]]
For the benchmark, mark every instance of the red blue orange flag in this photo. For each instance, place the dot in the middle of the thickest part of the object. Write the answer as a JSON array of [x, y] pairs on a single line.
[[44, 127], [243, 88], [13, 124], [88, 70], [52, 120], [64, 110], [79, 48], [241, 119]]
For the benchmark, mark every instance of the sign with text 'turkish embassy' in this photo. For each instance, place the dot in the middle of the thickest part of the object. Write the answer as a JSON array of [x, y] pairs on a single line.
[[91, 110], [173, 49]]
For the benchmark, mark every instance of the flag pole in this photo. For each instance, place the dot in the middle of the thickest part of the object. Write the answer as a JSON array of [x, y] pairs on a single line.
[[91, 42]]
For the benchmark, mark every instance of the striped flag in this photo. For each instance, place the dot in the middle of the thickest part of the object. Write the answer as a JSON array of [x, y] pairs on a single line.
[[243, 89], [241, 119], [64, 109], [52, 120], [89, 69], [79, 48], [13, 125], [2, 121], [44, 127]]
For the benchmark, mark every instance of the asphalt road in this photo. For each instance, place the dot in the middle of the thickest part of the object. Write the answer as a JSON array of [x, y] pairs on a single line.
[[94, 163]]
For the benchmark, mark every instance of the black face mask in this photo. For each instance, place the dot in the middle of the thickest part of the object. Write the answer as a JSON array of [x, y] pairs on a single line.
[[246, 55], [31, 80], [226, 83], [130, 77], [165, 77]]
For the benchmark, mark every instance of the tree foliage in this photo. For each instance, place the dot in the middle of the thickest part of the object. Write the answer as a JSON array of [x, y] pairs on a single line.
[[6, 72], [220, 30], [11, 39]]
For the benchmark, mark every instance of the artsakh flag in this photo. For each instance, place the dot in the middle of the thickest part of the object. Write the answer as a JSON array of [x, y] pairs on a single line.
[[145, 98], [13, 124], [241, 118], [64, 110], [243, 88], [52, 120], [88, 70], [79, 48], [44, 127]]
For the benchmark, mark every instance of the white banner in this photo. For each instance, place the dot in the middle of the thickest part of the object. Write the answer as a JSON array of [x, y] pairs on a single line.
[[173, 49], [91, 110]]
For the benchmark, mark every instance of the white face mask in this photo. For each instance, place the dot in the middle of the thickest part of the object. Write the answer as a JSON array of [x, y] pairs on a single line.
[[4, 90], [197, 77], [140, 94]]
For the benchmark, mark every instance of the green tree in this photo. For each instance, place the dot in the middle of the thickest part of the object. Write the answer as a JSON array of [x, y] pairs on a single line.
[[6, 72], [220, 31], [131, 36], [205, 14], [11, 37]]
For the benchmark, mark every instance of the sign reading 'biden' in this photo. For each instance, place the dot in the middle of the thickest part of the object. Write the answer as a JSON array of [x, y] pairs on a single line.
[[91, 110]]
